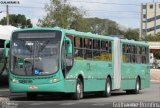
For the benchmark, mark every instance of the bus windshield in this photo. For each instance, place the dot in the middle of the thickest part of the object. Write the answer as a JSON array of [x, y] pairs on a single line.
[[35, 52]]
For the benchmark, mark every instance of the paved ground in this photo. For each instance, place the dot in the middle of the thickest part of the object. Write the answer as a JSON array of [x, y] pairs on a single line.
[[151, 94], [155, 75]]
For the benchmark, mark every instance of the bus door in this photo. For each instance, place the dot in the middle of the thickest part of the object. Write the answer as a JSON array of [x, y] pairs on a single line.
[[66, 56]]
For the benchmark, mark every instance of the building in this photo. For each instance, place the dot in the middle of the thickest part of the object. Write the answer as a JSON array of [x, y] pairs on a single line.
[[150, 18], [154, 48]]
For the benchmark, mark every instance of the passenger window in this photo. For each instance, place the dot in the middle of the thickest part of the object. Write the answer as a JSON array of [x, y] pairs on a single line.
[[78, 48], [96, 50], [106, 51], [88, 49], [126, 56]]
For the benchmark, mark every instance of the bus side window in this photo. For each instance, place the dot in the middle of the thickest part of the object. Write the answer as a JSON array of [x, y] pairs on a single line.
[[106, 50], [126, 48], [78, 48], [96, 49], [144, 59], [69, 53], [110, 47], [139, 55], [88, 48], [103, 50], [127, 53], [133, 53]]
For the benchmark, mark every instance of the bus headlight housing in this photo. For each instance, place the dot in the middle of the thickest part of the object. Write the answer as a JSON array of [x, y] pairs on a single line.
[[14, 80], [54, 80]]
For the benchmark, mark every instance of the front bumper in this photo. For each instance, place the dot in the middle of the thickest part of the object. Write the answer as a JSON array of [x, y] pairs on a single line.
[[51, 87]]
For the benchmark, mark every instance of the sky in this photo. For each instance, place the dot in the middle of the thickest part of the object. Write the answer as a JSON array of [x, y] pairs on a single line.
[[124, 12]]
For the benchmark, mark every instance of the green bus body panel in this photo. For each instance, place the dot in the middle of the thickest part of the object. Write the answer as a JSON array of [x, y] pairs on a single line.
[[94, 73], [130, 73], [56, 87], [43, 83], [66, 86]]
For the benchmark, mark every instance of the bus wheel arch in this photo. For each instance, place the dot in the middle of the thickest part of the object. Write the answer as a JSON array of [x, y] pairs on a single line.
[[110, 80], [81, 78], [79, 88], [138, 77]]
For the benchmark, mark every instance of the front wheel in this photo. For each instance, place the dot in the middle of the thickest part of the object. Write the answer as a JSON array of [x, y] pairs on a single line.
[[79, 90], [107, 91]]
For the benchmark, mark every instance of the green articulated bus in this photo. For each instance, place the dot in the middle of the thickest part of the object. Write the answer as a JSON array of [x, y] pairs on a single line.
[[56, 60]]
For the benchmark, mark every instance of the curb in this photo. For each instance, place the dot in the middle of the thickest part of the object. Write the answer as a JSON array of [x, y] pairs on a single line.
[[155, 81]]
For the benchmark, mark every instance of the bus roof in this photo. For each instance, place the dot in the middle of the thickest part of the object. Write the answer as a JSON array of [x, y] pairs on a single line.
[[141, 43], [87, 34]]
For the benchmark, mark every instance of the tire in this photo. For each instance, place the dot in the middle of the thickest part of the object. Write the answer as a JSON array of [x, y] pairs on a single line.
[[137, 87], [107, 91], [31, 95], [79, 90]]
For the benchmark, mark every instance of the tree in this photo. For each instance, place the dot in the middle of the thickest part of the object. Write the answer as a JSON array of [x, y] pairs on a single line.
[[155, 37], [62, 14], [103, 26], [17, 21], [132, 34]]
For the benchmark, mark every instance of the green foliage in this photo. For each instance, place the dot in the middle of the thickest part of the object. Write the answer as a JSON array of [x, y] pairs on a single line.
[[157, 54], [61, 14], [132, 34], [17, 21], [155, 37], [103, 26], [81, 25]]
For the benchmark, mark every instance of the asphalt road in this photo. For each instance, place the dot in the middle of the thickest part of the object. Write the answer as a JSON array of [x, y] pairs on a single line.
[[151, 94]]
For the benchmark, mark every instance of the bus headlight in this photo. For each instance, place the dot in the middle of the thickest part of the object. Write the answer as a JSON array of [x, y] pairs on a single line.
[[14, 80], [54, 80]]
